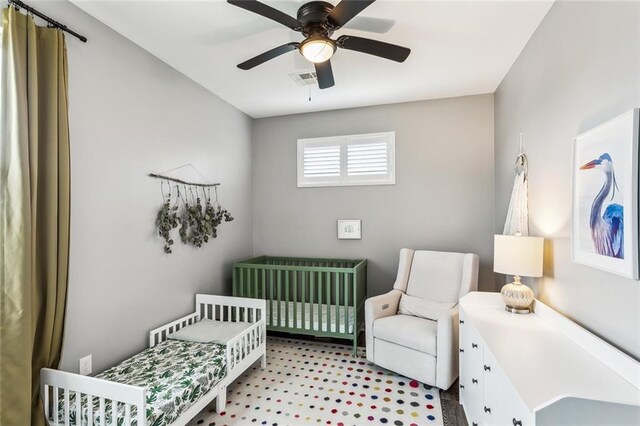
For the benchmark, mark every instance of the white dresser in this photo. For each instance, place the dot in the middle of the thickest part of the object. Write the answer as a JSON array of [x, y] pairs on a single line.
[[540, 369]]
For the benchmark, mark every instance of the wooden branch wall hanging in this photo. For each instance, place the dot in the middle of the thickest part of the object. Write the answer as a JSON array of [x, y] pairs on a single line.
[[191, 207]]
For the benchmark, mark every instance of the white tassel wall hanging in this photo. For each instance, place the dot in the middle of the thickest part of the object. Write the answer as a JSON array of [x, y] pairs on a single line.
[[517, 222]]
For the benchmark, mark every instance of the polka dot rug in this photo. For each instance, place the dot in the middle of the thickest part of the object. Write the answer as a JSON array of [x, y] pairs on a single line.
[[317, 383]]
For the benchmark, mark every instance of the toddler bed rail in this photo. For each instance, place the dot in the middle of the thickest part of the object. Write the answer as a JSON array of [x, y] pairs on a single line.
[[318, 297], [106, 403]]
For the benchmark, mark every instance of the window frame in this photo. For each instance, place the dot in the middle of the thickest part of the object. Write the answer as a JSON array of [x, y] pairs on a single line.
[[344, 179]]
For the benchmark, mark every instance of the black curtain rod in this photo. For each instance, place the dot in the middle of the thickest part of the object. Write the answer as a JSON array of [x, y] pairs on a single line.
[[52, 22]]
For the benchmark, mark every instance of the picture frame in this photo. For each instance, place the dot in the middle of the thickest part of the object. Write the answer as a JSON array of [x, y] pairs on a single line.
[[604, 214], [349, 229]]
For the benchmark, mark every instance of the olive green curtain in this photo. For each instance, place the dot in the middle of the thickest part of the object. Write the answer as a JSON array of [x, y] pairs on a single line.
[[34, 211]]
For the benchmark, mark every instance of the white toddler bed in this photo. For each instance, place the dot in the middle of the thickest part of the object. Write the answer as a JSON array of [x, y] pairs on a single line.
[[168, 383]]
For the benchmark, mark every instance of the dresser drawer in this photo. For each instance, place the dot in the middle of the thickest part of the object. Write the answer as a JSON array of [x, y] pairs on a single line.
[[471, 374], [502, 404]]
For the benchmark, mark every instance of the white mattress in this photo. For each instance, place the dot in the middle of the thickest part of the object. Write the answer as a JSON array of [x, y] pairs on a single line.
[[335, 326]]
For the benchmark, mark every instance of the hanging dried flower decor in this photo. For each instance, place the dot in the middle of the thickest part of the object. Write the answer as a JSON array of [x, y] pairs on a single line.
[[198, 223]]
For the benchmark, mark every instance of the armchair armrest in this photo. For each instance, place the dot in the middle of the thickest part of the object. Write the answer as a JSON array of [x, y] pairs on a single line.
[[447, 344], [377, 307]]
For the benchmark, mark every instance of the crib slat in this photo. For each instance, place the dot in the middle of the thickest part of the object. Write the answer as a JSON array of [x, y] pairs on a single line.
[[346, 303], [127, 414], [78, 408], [46, 402], [310, 299], [286, 298], [254, 283], [66, 406], [279, 294], [320, 305], [56, 407], [336, 277], [101, 412], [295, 299], [328, 286], [90, 410], [114, 412], [304, 299], [272, 312], [311, 295], [263, 284]]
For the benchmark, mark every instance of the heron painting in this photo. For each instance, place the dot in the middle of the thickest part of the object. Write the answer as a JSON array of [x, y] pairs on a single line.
[[604, 215], [607, 217]]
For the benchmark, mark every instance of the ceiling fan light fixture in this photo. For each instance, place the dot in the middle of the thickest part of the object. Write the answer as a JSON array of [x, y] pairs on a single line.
[[318, 49]]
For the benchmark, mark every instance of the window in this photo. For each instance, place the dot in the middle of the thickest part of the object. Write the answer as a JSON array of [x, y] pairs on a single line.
[[347, 160]]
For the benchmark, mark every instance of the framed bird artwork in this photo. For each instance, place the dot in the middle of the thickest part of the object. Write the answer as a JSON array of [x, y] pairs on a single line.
[[605, 196]]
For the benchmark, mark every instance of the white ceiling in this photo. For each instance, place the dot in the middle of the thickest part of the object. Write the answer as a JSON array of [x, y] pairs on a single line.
[[458, 48]]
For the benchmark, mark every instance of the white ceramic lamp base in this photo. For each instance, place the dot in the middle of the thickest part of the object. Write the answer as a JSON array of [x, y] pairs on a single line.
[[517, 297]]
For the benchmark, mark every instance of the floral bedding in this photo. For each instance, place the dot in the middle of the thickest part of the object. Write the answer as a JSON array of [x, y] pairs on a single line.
[[174, 373]]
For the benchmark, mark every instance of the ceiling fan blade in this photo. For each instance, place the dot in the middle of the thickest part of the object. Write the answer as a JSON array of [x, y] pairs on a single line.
[[268, 55], [268, 12], [324, 74], [374, 47], [346, 10]]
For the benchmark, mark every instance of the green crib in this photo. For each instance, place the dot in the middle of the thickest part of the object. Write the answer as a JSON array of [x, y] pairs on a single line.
[[317, 297]]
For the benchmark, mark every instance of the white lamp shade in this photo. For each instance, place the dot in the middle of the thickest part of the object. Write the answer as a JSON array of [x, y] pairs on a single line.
[[317, 49], [516, 255]]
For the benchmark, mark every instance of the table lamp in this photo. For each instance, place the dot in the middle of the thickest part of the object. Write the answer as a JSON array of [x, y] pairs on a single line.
[[521, 257]]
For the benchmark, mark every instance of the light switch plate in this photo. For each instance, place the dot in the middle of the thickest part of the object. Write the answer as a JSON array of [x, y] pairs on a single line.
[[85, 365]]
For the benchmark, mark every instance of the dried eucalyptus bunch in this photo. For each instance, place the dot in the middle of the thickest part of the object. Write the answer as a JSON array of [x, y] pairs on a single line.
[[198, 224], [166, 220]]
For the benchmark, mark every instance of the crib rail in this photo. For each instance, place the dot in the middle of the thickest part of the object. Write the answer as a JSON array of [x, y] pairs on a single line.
[[227, 308], [240, 348], [160, 334], [321, 297], [70, 399], [219, 308]]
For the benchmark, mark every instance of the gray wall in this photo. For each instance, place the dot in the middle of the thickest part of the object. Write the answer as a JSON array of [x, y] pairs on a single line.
[[131, 114], [442, 199], [579, 69]]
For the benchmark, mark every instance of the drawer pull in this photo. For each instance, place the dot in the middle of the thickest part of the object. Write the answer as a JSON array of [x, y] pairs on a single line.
[[474, 345], [487, 410], [461, 350], [487, 368], [462, 387], [474, 381], [461, 321], [517, 422]]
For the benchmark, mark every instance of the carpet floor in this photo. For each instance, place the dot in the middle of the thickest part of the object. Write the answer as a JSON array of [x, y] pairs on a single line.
[[311, 382]]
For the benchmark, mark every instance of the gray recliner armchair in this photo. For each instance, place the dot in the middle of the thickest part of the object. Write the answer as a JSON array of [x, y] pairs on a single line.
[[413, 329]]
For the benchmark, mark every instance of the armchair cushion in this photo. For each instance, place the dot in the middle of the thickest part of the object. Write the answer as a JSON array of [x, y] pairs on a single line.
[[436, 275], [408, 331], [411, 305]]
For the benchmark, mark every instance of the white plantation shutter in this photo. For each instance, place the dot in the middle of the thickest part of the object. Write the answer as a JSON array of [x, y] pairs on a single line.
[[347, 160], [321, 161]]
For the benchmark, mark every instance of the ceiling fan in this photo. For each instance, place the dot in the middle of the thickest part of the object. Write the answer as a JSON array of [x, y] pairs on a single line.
[[317, 21]]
